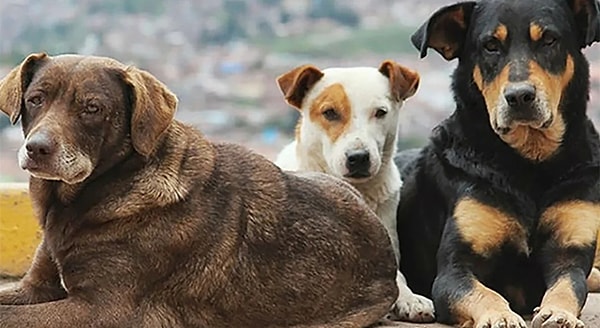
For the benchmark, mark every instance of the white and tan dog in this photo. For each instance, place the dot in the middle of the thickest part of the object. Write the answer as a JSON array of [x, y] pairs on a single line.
[[348, 129]]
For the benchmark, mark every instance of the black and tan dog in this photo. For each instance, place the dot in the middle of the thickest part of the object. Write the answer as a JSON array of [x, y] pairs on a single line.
[[507, 193], [148, 224]]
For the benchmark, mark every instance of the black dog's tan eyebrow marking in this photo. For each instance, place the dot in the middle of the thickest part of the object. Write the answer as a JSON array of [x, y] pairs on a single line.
[[486, 228], [501, 32], [573, 223], [535, 32]]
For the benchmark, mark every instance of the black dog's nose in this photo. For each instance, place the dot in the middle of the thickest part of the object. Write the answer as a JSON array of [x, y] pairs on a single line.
[[40, 144], [520, 95], [358, 162]]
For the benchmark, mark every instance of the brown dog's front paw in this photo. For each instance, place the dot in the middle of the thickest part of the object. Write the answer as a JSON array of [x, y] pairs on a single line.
[[500, 319], [552, 317]]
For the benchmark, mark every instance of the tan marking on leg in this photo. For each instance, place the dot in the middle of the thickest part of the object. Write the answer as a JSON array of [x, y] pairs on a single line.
[[483, 305], [486, 228], [593, 281], [573, 223], [559, 308]]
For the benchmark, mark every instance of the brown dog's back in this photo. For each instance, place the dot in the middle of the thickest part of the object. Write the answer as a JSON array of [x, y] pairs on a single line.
[[157, 227]]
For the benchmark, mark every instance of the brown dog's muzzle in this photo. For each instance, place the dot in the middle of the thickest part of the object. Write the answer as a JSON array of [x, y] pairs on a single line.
[[40, 148], [48, 154]]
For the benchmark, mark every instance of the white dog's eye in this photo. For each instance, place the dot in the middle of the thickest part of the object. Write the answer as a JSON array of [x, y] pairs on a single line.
[[380, 113], [331, 115]]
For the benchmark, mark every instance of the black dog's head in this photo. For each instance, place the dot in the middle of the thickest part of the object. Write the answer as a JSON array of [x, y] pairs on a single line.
[[520, 54], [82, 114]]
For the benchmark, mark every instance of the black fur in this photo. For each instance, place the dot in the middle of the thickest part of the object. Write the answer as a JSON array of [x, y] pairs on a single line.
[[465, 157]]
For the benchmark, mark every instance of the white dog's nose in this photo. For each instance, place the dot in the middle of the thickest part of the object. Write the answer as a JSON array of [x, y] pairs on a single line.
[[358, 163]]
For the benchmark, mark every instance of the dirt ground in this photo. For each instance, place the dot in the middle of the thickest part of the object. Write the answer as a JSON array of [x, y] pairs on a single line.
[[590, 316]]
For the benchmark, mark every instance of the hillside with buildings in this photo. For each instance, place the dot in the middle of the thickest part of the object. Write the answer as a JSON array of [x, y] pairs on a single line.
[[221, 57]]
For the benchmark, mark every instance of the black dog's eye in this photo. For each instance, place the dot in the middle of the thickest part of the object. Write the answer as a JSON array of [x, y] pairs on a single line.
[[492, 46], [548, 39], [380, 113], [35, 100], [331, 115]]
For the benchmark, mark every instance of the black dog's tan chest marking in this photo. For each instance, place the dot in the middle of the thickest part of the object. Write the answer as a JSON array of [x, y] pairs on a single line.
[[573, 223], [486, 228]]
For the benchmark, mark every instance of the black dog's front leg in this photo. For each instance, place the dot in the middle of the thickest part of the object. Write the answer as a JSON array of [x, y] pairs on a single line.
[[568, 234], [40, 284], [475, 231]]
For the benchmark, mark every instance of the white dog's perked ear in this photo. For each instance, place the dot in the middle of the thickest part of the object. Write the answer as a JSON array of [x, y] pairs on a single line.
[[296, 83], [404, 82]]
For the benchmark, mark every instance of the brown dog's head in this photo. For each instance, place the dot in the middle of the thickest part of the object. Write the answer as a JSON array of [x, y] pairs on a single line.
[[83, 114]]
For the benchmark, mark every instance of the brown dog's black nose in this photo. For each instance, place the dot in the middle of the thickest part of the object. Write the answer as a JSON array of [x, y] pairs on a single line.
[[358, 163], [39, 145], [520, 95]]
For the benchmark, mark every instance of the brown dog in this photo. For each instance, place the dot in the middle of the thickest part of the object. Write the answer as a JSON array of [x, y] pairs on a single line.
[[148, 224]]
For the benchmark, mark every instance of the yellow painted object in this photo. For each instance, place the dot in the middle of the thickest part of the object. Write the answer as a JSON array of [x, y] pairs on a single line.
[[19, 230]]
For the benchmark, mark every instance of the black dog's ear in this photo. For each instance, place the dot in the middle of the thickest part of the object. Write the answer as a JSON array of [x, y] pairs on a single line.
[[15, 83], [445, 31], [587, 18]]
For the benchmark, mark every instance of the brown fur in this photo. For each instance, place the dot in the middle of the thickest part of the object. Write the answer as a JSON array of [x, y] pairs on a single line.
[[404, 81], [296, 82], [332, 98], [486, 228], [172, 230]]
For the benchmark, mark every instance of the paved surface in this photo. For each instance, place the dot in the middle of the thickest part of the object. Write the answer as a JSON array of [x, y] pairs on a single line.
[[590, 316], [591, 313]]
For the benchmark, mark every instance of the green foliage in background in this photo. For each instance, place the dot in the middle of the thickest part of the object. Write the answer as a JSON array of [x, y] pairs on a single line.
[[386, 40], [152, 7]]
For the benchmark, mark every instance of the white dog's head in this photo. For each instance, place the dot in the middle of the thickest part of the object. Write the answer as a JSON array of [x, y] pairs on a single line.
[[349, 115]]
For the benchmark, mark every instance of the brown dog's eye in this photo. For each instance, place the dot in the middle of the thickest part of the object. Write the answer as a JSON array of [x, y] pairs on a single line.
[[331, 115], [92, 109], [35, 100], [380, 113]]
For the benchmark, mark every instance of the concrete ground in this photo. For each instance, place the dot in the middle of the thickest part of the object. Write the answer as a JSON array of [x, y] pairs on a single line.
[[590, 316]]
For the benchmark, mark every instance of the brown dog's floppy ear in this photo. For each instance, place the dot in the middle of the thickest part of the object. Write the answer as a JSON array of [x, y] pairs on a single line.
[[15, 83], [153, 110], [587, 19], [295, 84], [404, 82], [445, 31]]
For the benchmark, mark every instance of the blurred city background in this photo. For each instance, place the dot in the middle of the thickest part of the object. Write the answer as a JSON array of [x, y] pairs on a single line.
[[221, 57]]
